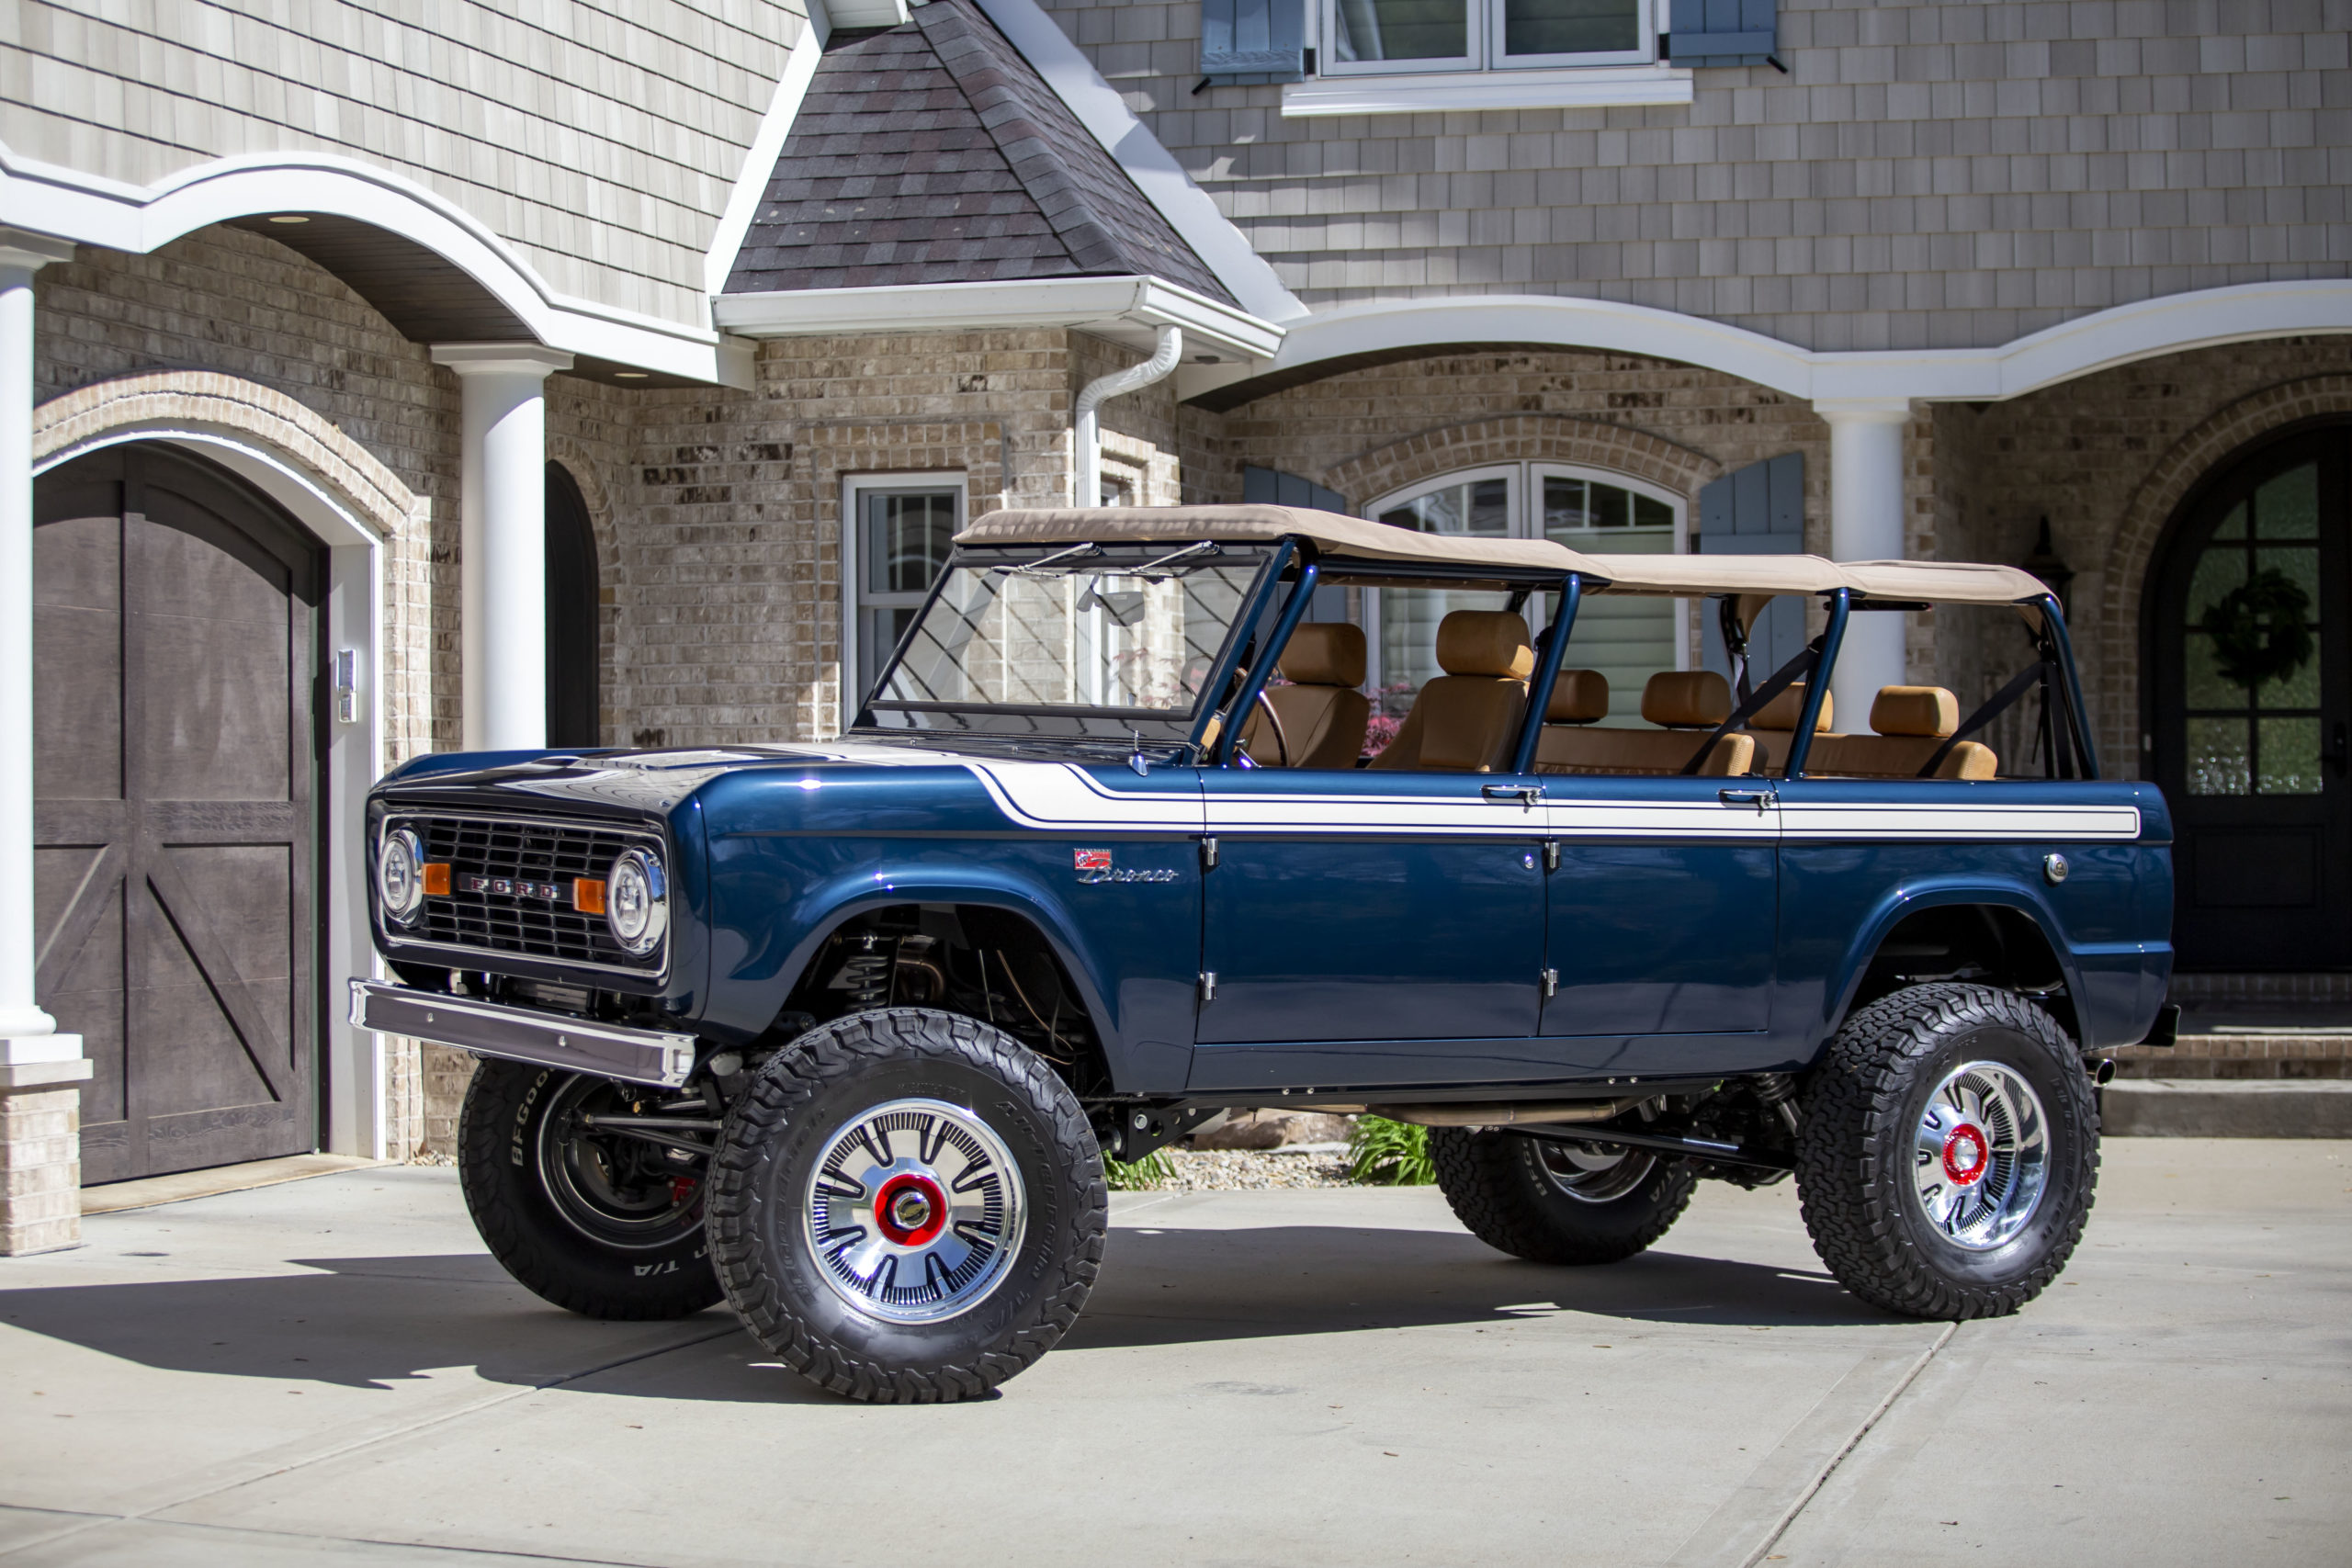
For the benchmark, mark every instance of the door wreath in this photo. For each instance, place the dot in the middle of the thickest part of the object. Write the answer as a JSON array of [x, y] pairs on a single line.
[[2258, 629]]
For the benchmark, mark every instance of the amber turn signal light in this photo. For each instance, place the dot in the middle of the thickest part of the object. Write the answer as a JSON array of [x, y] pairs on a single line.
[[437, 879], [588, 895]]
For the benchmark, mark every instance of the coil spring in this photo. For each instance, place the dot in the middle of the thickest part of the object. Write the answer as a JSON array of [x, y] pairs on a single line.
[[867, 976], [1777, 1092]]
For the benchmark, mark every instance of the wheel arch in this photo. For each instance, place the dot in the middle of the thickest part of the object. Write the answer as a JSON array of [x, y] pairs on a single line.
[[2012, 935], [1081, 970]]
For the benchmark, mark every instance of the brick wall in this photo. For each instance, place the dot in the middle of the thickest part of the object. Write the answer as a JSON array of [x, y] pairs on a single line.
[[601, 139], [1931, 175]]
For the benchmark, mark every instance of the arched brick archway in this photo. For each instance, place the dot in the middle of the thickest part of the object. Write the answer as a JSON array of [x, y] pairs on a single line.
[[2153, 503], [1525, 437]]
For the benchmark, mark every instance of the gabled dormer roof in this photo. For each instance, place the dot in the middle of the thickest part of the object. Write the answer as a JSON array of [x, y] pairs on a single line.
[[933, 153]]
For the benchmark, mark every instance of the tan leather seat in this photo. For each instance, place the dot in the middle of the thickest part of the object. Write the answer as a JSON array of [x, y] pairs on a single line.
[[1324, 716], [1682, 702], [1466, 721], [1774, 726], [1911, 723]]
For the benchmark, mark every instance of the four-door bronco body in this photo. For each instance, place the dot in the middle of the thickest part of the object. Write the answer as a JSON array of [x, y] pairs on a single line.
[[843, 1029]]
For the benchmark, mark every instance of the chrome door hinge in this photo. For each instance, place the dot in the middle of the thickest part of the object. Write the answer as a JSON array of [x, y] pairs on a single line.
[[1208, 985], [1208, 854], [1551, 854], [1551, 982]]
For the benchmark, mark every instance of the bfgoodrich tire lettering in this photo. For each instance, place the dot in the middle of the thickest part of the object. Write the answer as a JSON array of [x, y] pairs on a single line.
[[1551, 1205], [1865, 1150], [649, 1261], [943, 1083]]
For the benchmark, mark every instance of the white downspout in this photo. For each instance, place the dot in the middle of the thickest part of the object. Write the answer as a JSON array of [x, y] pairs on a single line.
[[1086, 484]]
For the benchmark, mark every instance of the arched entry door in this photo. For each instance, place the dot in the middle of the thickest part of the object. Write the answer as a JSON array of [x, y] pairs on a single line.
[[2251, 699], [176, 758]]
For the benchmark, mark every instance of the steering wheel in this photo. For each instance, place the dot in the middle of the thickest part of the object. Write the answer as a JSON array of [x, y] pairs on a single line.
[[1281, 742]]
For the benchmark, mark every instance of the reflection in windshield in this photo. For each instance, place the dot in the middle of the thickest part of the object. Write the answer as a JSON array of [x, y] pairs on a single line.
[[1087, 636]]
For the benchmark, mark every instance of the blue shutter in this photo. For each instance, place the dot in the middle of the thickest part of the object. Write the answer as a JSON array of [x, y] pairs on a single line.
[[1723, 32], [1757, 510], [1251, 41], [1271, 487]]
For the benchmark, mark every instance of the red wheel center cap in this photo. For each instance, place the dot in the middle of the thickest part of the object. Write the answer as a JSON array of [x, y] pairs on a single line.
[[910, 1211], [1965, 1155]]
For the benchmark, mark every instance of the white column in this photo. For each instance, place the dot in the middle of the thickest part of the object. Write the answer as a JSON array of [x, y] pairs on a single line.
[[28, 1035], [1866, 511], [502, 540]]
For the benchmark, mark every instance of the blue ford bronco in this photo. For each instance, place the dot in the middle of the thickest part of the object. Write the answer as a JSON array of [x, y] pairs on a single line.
[[1118, 844]]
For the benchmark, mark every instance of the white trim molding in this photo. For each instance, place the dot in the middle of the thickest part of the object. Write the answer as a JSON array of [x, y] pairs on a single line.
[[92, 210], [1128, 309], [1213, 236], [767, 146], [1454, 92], [2202, 319]]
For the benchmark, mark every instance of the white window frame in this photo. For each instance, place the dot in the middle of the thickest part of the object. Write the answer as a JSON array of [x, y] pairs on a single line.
[[1526, 514], [854, 489], [1483, 36]]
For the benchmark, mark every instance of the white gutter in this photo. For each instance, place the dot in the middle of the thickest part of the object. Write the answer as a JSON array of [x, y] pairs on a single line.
[[1086, 488], [1133, 308]]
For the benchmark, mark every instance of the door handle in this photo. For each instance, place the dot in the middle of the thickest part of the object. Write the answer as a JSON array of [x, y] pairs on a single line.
[[1759, 799], [2337, 751], [1526, 794]]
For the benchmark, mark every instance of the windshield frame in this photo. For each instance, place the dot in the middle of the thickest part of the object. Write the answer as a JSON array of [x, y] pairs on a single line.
[[1083, 722]]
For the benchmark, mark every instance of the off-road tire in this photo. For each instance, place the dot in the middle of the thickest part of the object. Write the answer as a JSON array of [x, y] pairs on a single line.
[[1498, 1189], [803, 1097], [499, 1168], [1861, 1106]]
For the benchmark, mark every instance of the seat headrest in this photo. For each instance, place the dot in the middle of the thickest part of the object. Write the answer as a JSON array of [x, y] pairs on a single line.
[[1580, 697], [1484, 642], [1324, 653], [1685, 699], [1915, 710], [1783, 711]]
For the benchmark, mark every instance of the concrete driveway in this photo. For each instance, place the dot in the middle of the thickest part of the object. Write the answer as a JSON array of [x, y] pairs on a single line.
[[332, 1370]]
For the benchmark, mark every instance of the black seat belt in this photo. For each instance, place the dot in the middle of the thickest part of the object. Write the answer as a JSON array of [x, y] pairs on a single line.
[[1787, 675], [1987, 711]]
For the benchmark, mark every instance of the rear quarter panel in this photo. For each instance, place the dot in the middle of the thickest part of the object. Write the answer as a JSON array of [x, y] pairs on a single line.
[[1852, 870]]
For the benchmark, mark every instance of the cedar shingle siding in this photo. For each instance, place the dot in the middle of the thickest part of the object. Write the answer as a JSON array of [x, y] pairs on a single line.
[[933, 153]]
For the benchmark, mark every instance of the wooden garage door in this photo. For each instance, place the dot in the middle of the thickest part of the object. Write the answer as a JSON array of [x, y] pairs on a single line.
[[175, 631]]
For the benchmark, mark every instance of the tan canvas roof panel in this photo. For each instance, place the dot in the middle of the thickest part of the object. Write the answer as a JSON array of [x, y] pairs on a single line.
[[1262, 525], [1683, 576], [1939, 583], [1942, 582]]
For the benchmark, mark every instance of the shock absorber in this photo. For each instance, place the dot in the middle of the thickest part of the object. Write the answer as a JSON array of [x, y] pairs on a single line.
[[866, 976], [1778, 1091]]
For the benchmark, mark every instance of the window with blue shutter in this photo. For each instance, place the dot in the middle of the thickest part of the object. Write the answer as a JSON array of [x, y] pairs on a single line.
[[1756, 511], [1723, 32], [1245, 42]]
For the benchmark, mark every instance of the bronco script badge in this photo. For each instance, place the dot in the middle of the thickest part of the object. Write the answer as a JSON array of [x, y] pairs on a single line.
[[1094, 866]]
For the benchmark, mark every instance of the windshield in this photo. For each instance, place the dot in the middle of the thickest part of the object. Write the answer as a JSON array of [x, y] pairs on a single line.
[[1125, 634]]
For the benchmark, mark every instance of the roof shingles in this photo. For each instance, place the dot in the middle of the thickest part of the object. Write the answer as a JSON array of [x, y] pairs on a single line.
[[933, 153]]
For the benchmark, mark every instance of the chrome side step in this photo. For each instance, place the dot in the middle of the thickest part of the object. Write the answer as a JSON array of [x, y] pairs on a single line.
[[523, 1034]]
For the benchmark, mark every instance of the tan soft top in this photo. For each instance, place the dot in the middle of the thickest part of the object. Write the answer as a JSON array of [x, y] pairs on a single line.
[[1937, 583], [1263, 525]]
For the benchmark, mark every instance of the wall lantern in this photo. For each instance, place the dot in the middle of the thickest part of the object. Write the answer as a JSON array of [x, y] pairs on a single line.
[[2045, 564]]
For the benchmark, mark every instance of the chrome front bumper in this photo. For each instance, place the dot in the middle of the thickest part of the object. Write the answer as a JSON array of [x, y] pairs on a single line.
[[523, 1034]]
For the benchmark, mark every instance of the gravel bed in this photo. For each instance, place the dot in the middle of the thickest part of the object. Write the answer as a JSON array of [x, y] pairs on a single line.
[[1251, 1171]]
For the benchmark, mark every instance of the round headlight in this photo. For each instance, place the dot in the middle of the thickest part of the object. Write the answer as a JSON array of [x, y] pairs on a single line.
[[400, 876], [637, 901]]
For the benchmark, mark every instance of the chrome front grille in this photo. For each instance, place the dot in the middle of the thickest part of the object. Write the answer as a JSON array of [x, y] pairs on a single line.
[[502, 872]]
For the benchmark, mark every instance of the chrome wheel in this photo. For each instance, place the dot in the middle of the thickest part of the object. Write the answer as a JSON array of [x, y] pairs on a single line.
[[1981, 1157], [914, 1212], [618, 1191], [1593, 1173]]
